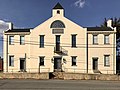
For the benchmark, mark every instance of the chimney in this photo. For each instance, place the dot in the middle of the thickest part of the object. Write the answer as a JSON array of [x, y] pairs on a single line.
[[109, 23], [10, 25]]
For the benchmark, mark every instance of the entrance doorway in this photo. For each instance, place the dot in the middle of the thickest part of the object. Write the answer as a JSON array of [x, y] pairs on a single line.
[[22, 65], [95, 63], [57, 64]]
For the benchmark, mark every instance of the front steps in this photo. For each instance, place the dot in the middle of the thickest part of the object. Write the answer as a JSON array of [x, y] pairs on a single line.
[[56, 75], [97, 72]]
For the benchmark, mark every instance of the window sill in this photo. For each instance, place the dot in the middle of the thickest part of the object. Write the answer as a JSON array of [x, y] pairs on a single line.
[[11, 44], [106, 43], [95, 43], [74, 65], [42, 65], [22, 44], [41, 47], [73, 47], [11, 66], [106, 65]]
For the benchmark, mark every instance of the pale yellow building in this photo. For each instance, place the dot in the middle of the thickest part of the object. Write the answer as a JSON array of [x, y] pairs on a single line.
[[58, 44]]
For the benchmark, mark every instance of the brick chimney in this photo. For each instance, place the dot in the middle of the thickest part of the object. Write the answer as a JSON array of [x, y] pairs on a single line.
[[10, 25]]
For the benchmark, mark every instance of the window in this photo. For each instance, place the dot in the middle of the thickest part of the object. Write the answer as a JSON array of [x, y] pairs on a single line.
[[41, 61], [57, 31], [57, 43], [11, 60], [41, 41], [106, 39], [11, 40], [95, 39], [73, 40], [22, 40], [106, 60], [73, 60], [57, 24], [58, 12]]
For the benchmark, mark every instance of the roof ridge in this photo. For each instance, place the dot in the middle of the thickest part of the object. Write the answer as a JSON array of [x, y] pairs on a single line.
[[58, 6]]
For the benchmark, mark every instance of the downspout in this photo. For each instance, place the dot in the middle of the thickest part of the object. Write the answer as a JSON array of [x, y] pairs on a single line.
[[6, 54], [25, 62], [87, 53], [114, 55]]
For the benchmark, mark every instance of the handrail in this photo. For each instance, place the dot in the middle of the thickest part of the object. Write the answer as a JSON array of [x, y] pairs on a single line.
[[60, 50]]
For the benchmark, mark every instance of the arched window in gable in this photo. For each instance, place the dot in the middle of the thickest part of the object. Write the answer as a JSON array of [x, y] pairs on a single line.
[[57, 24]]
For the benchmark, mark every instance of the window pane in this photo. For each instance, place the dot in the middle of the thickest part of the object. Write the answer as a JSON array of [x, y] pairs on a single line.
[[22, 40], [73, 40], [57, 24], [41, 61], [11, 40], [106, 39], [41, 40], [11, 60], [73, 61], [106, 61], [95, 39]]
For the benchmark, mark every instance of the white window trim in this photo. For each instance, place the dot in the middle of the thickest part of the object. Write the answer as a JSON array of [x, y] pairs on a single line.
[[106, 63], [95, 39], [106, 39]]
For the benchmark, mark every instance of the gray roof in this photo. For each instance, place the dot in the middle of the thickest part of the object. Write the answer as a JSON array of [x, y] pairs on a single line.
[[18, 30], [58, 6], [99, 29]]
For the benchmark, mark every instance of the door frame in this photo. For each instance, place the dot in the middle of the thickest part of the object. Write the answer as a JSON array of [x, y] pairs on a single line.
[[58, 69], [95, 59], [24, 66]]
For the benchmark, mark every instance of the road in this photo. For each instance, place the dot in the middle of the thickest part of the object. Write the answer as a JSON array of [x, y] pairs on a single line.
[[18, 84]]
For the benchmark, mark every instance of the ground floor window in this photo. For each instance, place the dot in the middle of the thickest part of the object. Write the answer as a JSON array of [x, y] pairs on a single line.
[[106, 60], [11, 60], [41, 61], [74, 60]]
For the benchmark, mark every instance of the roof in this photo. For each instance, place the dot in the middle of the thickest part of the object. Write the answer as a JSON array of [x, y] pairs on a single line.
[[99, 29], [18, 30], [58, 6]]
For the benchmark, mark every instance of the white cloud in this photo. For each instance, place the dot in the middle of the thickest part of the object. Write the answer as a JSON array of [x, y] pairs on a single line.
[[80, 3], [3, 26]]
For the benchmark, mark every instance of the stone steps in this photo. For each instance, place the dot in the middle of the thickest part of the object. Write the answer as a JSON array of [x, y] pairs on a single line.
[[57, 75]]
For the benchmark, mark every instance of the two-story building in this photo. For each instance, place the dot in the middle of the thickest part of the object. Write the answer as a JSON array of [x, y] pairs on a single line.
[[59, 44]]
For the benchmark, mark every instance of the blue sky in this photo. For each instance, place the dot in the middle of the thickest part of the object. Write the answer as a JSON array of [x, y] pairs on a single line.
[[30, 13]]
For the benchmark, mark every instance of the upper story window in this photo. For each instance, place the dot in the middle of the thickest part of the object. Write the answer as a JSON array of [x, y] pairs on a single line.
[[106, 39], [22, 40], [11, 60], [41, 41], [11, 40], [57, 24], [73, 40], [58, 12], [95, 39]]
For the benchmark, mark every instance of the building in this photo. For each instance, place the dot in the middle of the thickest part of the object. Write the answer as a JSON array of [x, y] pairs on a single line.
[[1, 64], [58, 44]]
